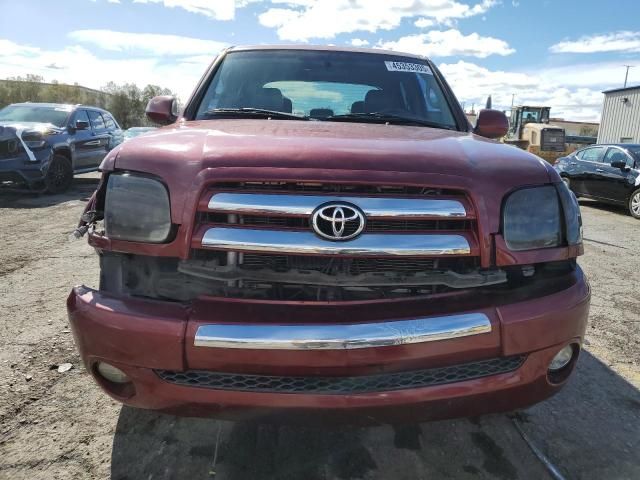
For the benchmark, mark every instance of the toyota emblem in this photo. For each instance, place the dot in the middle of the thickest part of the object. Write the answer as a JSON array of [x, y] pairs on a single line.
[[338, 221]]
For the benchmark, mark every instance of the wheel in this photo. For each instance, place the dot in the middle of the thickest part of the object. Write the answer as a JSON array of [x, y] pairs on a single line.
[[634, 204], [59, 175]]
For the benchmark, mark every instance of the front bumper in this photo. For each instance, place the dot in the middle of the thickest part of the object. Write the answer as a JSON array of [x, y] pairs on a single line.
[[145, 338], [20, 171]]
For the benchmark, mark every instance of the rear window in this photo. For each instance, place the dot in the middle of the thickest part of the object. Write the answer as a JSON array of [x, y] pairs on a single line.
[[634, 150], [334, 96]]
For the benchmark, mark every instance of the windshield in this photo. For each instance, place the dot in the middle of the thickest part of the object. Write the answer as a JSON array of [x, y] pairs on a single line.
[[635, 150], [321, 85], [31, 113], [530, 116]]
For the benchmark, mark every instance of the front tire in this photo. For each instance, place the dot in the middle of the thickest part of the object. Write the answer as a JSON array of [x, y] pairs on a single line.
[[59, 175], [634, 204]]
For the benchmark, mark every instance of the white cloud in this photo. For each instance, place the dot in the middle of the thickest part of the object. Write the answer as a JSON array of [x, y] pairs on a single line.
[[147, 43], [567, 90], [8, 48], [215, 9], [447, 43], [623, 41], [76, 64], [357, 42], [424, 22], [301, 20]]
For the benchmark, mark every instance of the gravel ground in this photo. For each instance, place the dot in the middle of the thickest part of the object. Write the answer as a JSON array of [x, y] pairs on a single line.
[[59, 425]]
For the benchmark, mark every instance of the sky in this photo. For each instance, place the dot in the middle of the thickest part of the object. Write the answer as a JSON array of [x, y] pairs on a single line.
[[560, 53]]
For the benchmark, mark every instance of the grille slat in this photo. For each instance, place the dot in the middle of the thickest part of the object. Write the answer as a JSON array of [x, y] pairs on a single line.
[[343, 385], [373, 225]]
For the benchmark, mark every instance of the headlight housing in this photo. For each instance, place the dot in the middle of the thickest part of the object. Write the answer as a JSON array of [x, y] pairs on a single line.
[[34, 139], [541, 217], [531, 219], [137, 209]]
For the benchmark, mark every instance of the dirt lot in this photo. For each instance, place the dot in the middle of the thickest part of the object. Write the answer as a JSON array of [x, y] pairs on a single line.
[[60, 425]]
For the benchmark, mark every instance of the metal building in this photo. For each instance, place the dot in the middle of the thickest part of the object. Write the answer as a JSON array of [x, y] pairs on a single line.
[[620, 121]]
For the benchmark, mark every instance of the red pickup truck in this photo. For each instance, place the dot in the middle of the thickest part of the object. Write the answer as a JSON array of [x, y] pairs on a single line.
[[320, 231]]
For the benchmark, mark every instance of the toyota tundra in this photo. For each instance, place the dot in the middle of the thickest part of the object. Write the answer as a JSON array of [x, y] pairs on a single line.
[[320, 232]]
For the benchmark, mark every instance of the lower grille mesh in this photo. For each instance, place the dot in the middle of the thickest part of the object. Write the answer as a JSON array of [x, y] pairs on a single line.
[[354, 266], [343, 385]]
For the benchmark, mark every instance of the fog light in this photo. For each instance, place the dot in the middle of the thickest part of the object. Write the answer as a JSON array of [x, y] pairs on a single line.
[[562, 358], [111, 373]]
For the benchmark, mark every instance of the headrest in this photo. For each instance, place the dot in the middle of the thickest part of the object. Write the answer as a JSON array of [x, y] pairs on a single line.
[[376, 101], [357, 107], [320, 112], [287, 105], [268, 99]]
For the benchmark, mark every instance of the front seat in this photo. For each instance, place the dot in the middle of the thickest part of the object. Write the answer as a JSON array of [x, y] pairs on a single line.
[[377, 101], [357, 107], [320, 113], [267, 99], [287, 105]]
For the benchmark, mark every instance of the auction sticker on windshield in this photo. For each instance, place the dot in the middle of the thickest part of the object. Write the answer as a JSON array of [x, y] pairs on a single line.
[[407, 67]]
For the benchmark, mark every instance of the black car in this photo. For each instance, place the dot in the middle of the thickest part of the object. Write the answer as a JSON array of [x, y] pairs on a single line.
[[42, 145], [610, 173]]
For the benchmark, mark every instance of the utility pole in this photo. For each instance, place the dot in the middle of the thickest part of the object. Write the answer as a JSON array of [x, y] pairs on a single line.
[[626, 75]]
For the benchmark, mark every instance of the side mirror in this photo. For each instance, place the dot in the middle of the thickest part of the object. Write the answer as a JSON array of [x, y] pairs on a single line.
[[162, 109], [491, 124], [81, 125], [621, 164]]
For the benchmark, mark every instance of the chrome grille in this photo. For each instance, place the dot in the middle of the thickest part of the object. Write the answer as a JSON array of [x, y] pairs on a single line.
[[343, 385], [414, 242]]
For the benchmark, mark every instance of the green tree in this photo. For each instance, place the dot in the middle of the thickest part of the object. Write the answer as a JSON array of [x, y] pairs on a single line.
[[127, 102]]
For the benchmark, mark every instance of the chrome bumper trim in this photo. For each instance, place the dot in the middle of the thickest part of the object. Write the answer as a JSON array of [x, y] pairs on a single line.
[[275, 241], [341, 336], [273, 204]]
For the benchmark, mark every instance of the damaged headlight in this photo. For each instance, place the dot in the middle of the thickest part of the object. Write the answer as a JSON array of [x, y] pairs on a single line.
[[137, 209], [532, 218], [34, 139]]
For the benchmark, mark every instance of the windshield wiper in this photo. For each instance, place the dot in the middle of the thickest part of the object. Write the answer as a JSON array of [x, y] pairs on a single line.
[[380, 117], [253, 112]]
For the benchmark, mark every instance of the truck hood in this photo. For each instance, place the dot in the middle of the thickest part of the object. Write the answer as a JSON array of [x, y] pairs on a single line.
[[184, 153]]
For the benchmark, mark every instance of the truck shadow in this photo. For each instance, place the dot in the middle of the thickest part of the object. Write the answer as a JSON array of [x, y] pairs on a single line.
[[589, 430], [82, 188]]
